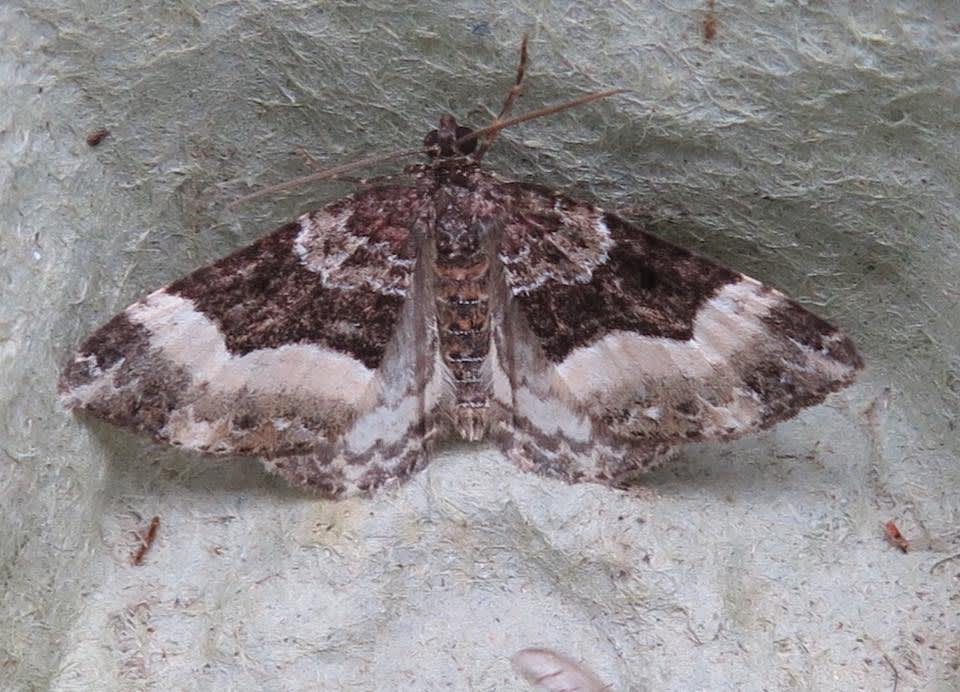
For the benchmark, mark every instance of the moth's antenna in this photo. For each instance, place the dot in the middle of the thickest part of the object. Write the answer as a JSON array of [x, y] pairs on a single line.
[[498, 125], [330, 173], [486, 135], [508, 102]]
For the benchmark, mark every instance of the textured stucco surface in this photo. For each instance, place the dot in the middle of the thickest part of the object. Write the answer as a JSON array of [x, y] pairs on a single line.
[[812, 145]]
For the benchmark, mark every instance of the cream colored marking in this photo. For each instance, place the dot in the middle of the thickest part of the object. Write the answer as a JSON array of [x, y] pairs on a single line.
[[183, 427], [189, 339], [308, 243], [723, 326], [551, 416], [605, 242], [324, 244], [388, 423], [91, 362], [587, 267], [439, 385], [500, 382], [739, 414]]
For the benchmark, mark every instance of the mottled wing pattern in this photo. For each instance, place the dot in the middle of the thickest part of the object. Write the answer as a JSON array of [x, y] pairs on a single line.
[[293, 348], [641, 344]]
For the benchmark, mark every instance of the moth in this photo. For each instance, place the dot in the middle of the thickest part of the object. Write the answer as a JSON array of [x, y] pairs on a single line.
[[341, 347]]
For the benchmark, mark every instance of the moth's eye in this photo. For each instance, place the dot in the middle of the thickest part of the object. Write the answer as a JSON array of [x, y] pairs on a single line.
[[468, 146], [432, 140]]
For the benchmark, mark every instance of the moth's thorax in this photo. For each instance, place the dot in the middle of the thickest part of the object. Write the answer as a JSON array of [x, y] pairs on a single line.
[[462, 288]]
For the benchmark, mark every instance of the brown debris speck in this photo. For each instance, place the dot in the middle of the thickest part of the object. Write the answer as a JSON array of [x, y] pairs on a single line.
[[97, 136], [709, 23], [146, 540], [895, 537]]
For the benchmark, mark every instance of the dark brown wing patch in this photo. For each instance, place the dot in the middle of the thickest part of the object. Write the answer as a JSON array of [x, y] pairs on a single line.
[[264, 297], [273, 293], [603, 274], [125, 345]]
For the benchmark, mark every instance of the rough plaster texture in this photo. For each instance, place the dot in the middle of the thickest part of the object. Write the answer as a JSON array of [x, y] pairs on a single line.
[[813, 145]]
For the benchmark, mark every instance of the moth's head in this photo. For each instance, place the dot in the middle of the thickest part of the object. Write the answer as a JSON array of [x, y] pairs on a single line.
[[443, 140]]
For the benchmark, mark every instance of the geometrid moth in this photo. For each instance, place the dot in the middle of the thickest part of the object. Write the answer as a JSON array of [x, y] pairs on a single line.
[[340, 347]]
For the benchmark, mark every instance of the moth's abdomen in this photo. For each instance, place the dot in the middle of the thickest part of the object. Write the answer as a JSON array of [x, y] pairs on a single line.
[[463, 319]]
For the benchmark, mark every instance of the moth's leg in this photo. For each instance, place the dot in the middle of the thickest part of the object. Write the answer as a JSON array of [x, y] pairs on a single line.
[[508, 102]]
